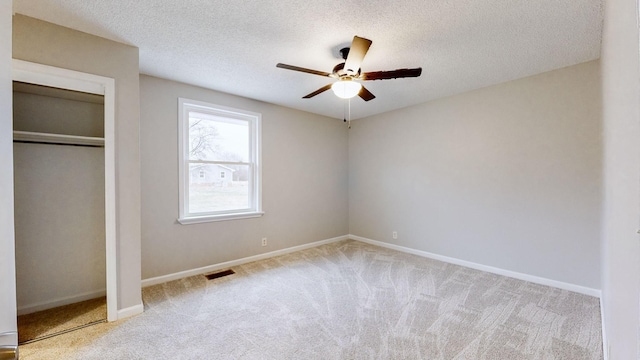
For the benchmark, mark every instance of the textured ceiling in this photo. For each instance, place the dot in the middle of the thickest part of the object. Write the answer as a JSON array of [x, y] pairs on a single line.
[[234, 46]]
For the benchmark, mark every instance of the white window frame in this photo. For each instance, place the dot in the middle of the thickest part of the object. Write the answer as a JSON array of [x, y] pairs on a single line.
[[255, 190]]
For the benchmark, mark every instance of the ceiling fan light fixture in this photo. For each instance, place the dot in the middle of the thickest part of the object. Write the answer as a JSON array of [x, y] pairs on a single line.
[[346, 89]]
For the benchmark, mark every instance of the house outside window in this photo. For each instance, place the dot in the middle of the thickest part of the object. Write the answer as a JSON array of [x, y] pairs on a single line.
[[217, 139]]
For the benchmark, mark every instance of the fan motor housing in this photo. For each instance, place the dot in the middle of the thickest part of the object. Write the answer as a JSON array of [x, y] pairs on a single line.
[[340, 72]]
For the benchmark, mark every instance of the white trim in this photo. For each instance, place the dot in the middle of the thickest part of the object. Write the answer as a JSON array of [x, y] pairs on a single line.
[[202, 270], [9, 338], [257, 160], [51, 76], [110, 197], [40, 74], [221, 163], [49, 304], [183, 180], [210, 218], [512, 274], [130, 311]]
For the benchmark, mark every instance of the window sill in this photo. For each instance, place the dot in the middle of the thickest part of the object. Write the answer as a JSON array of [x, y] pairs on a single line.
[[211, 218]]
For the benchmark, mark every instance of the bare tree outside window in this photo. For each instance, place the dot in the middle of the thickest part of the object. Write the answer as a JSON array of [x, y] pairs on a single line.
[[201, 138]]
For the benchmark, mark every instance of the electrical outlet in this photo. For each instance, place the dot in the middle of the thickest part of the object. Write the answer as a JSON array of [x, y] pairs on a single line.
[[264, 241], [395, 234]]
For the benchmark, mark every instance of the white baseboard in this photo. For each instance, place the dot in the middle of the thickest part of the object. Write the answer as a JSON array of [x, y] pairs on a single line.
[[130, 311], [9, 338], [512, 274], [227, 264], [49, 304], [494, 270]]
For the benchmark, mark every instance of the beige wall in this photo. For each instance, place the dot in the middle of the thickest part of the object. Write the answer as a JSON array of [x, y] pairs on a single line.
[[7, 257], [46, 43], [304, 183], [507, 176], [60, 250], [621, 118], [55, 114]]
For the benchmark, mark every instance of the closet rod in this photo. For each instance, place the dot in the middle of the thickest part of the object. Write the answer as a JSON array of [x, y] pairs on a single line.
[[56, 139], [58, 144]]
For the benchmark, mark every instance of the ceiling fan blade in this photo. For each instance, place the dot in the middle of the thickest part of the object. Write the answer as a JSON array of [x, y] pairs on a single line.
[[365, 94], [301, 69], [319, 91], [392, 74], [359, 48]]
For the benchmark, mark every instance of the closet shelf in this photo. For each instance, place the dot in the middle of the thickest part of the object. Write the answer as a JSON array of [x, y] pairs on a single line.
[[28, 136]]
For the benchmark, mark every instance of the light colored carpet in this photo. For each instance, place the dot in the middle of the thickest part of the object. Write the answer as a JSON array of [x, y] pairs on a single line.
[[46, 323], [346, 300]]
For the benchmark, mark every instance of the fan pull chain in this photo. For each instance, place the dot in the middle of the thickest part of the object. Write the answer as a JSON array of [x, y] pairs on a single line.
[[347, 114], [344, 112], [349, 122]]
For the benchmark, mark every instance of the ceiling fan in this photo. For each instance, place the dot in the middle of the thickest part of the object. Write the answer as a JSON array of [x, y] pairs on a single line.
[[348, 73]]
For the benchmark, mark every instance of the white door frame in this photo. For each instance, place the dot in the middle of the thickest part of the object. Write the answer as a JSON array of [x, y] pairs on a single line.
[[39, 74]]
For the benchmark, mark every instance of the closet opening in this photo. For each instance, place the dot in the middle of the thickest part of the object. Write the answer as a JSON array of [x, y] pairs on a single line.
[[64, 189], [59, 210]]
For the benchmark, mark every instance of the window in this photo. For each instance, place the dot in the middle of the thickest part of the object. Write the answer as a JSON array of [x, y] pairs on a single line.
[[212, 139]]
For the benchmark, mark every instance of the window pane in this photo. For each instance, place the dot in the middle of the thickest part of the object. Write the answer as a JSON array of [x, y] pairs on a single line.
[[214, 187], [219, 162], [216, 138]]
